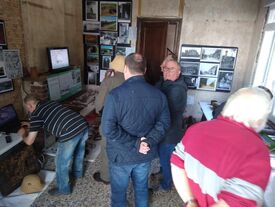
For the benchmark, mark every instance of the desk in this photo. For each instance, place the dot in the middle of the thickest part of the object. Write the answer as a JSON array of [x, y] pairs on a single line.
[[206, 110], [4, 146]]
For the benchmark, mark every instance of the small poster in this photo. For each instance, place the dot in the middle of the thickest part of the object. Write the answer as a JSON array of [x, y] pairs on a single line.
[[13, 66]]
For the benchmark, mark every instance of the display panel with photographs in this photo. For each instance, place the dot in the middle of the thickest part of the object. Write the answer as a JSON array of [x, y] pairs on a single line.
[[208, 67], [106, 33]]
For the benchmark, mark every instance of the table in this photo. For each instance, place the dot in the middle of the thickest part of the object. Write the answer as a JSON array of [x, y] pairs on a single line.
[[206, 110], [4, 146]]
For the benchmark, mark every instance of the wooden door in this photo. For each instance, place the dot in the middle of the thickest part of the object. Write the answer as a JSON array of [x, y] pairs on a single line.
[[154, 37]]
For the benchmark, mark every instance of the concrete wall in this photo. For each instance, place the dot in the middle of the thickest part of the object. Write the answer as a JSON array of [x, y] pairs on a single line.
[[50, 23], [235, 23]]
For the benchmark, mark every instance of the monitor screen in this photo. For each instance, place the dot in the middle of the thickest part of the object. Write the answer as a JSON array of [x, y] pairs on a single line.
[[58, 58], [9, 121]]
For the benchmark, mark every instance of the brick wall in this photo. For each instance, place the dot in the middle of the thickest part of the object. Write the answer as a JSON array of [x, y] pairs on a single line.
[[10, 13]]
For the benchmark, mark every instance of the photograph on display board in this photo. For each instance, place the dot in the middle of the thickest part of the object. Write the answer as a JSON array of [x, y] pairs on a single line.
[[106, 61], [92, 49], [91, 10], [92, 78], [228, 58], [2, 33], [211, 54], [121, 51], [6, 85], [124, 11], [108, 8], [92, 58], [123, 34], [191, 81], [189, 68], [90, 27], [102, 74], [207, 83], [209, 69], [190, 52], [91, 39], [108, 38], [106, 50], [93, 67], [108, 23], [13, 65], [225, 80]]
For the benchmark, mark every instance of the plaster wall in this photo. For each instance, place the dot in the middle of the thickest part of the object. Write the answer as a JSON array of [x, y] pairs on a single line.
[[235, 23], [50, 23]]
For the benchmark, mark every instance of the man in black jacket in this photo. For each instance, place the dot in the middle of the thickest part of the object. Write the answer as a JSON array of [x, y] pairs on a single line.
[[175, 89]]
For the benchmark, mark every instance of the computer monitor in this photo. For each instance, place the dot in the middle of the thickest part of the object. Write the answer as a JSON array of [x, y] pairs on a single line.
[[9, 121], [58, 58]]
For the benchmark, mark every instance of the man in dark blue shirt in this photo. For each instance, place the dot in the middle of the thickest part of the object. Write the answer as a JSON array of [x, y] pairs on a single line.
[[135, 118]]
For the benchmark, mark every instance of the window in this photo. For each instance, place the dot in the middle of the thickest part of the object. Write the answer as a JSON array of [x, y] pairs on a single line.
[[265, 69]]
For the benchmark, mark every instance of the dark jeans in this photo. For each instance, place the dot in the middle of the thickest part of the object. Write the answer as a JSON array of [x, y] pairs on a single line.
[[71, 150], [165, 151], [120, 176]]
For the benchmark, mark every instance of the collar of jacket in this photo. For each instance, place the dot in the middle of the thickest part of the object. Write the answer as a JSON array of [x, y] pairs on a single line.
[[135, 78]]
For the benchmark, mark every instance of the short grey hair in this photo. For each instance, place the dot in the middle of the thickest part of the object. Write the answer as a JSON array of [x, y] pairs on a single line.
[[250, 106]]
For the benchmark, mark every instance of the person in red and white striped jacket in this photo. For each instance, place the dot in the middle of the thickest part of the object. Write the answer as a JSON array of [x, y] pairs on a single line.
[[224, 162]]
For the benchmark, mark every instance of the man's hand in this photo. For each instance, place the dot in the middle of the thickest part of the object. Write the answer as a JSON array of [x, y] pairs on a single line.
[[143, 147], [25, 124], [22, 132]]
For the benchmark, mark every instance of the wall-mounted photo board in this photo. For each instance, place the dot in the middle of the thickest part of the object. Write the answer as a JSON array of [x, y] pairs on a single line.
[[207, 67]]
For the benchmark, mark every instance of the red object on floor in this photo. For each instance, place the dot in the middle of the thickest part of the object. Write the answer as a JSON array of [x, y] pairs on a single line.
[[91, 116]]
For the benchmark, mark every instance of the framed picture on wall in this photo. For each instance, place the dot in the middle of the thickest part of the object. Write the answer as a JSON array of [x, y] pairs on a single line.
[[90, 39], [6, 85], [90, 27], [207, 83], [93, 67], [106, 50], [102, 75], [190, 68], [225, 80], [228, 59], [108, 38], [191, 81], [106, 61], [108, 23], [121, 51], [2, 33], [123, 34], [211, 54], [91, 10], [190, 52], [209, 69], [124, 11], [92, 58], [108, 8], [92, 78]]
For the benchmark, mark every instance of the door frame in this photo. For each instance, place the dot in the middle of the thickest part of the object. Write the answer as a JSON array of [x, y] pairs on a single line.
[[176, 21]]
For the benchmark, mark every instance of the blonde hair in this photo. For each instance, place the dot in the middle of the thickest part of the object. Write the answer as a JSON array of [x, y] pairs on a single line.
[[30, 97], [249, 106]]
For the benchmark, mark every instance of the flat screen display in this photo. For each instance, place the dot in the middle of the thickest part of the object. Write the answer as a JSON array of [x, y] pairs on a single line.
[[9, 121], [58, 58]]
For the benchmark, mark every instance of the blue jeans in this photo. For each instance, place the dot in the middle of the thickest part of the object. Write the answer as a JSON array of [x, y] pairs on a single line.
[[71, 150], [119, 177], [165, 151]]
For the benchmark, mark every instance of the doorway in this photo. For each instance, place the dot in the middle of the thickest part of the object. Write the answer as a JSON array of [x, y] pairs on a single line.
[[156, 37]]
